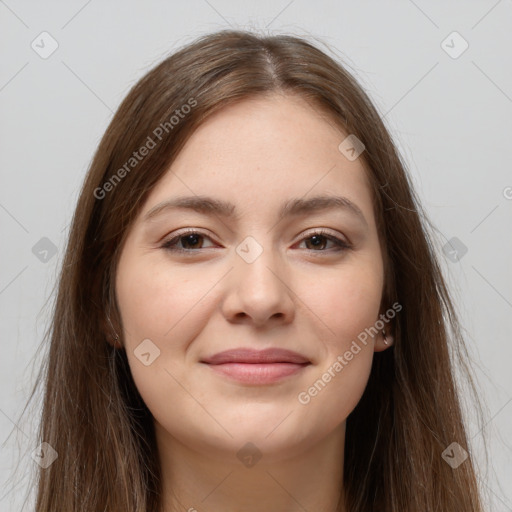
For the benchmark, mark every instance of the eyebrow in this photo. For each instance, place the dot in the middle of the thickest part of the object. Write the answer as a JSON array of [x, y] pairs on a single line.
[[294, 207]]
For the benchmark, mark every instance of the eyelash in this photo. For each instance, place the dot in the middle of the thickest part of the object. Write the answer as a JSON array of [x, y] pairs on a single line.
[[170, 245]]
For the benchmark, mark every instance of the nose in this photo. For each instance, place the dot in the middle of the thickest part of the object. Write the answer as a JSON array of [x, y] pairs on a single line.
[[260, 292]]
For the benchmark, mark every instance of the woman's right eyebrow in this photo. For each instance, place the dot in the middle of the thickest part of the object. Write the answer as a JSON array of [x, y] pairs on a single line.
[[293, 207], [200, 204]]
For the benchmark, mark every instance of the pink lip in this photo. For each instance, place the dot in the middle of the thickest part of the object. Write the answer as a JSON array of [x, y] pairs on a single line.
[[257, 366], [246, 355]]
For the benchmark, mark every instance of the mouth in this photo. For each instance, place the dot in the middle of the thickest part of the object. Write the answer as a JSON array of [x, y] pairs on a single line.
[[257, 367]]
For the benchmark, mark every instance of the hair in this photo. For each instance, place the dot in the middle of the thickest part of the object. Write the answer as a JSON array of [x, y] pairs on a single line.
[[93, 414]]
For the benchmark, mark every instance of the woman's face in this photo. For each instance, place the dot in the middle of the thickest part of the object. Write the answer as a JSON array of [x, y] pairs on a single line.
[[251, 278]]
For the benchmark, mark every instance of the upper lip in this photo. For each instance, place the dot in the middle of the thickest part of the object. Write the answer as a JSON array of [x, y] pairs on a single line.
[[245, 355]]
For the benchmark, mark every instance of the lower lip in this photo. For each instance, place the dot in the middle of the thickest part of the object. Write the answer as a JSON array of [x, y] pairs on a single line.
[[256, 373]]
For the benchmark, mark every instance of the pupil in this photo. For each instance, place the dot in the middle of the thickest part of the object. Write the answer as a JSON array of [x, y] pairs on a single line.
[[191, 239]]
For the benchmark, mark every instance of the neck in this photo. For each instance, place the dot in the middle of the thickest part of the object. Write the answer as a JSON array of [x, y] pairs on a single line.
[[196, 480]]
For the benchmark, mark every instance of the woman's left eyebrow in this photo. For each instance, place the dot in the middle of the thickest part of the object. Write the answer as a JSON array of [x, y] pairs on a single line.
[[293, 207]]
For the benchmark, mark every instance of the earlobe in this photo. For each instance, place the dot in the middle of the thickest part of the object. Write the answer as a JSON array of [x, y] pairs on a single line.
[[114, 341], [111, 334], [387, 341], [387, 338]]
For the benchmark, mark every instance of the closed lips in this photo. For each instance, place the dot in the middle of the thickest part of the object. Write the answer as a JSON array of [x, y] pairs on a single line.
[[251, 356]]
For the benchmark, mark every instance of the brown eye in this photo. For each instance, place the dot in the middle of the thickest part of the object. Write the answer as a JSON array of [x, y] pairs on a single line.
[[191, 241], [317, 242], [186, 242]]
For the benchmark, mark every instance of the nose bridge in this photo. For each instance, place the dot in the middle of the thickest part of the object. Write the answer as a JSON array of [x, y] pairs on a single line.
[[258, 264]]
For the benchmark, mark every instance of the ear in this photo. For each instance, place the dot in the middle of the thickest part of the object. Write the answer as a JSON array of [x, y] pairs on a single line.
[[384, 339], [111, 331]]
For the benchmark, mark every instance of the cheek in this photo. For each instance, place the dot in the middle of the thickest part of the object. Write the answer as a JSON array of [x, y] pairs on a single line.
[[153, 299], [345, 302], [347, 305], [169, 307], [164, 307]]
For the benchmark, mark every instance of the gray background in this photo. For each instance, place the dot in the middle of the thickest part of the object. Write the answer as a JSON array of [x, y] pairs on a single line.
[[451, 118]]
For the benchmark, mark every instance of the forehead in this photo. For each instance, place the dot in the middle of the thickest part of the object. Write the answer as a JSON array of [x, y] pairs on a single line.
[[265, 150]]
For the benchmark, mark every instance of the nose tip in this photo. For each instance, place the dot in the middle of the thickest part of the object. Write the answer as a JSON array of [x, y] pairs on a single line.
[[257, 292]]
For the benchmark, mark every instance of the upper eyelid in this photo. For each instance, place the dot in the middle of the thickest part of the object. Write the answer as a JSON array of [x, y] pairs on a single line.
[[187, 231]]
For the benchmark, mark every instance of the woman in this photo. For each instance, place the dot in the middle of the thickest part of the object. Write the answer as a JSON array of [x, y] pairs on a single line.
[[250, 314]]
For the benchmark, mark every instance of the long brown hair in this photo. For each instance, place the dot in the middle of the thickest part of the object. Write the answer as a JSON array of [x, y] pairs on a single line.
[[93, 415]]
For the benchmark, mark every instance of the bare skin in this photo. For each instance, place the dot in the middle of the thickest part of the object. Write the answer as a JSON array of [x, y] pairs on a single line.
[[302, 293]]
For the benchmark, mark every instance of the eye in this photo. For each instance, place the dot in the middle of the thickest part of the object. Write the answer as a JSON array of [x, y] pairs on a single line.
[[190, 240], [319, 239]]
